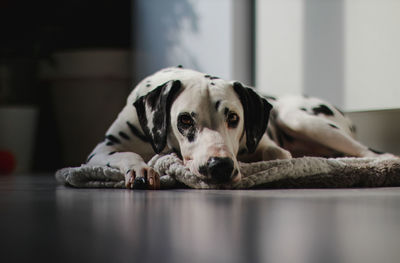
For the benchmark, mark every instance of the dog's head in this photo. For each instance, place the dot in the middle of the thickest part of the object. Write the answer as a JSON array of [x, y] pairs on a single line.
[[207, 123]]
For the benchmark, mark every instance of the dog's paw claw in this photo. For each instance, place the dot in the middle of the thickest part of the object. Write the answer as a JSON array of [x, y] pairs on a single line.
[[142, 178], [140, 183]]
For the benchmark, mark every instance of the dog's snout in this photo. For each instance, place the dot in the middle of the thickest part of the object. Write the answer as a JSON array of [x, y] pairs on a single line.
[[220, 169]]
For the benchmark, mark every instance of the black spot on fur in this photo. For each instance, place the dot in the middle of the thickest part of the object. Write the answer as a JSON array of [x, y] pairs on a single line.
[[188, 132], [256, 114], [136, 132], [90, 157], [212, 83], [217, 105], [333, 126], [191, 135], [270, 97], [111, 153], [375, 151], [177, 152], [179, 66], [108, 165], [159, 101], [210, 77], [152, 99], [303, 109], [113, 139], [158, 121], [226, 111], [109, 143], [341, 112], [323, 109], [203, 169], [124, 135], [148, 85]]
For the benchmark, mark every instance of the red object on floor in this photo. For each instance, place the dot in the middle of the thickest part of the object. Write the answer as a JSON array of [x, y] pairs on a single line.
[[7, 162]]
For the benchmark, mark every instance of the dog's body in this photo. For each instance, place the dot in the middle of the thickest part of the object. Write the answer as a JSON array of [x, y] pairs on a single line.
[[212, 124]]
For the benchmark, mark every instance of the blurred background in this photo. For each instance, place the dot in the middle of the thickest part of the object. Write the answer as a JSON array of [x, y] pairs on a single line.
[[66, 67]]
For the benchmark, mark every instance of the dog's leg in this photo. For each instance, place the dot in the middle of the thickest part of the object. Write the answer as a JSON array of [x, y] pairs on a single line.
[[139, 132], [125, 148], [270, 150], [300, 124], [266, 150], [137, 172]]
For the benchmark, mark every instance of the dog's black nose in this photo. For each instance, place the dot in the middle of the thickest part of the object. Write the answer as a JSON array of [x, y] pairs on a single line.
[[220, 169]]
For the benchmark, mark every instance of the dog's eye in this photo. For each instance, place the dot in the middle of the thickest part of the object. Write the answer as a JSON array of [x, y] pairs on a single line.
[[232, 120], [185, 120]]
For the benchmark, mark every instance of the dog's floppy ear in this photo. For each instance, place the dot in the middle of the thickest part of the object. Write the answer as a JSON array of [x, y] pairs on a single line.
[[153, 111], [256, 115]]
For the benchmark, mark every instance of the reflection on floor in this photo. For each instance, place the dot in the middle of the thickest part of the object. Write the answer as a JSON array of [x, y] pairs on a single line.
[[40, 220]]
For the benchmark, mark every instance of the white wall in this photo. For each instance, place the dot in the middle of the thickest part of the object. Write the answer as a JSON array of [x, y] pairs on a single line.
[[345, 51], [279, 46], [207, 35], [372, 54]]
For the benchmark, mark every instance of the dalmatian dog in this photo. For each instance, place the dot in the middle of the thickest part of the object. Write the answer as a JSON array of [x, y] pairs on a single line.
[[307, 126], [212, 124]]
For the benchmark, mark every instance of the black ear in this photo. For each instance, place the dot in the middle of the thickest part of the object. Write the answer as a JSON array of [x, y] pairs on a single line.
[[153, 111], [256, 115]]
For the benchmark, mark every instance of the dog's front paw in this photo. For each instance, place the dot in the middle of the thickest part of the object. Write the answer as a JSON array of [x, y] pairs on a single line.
[[142, 177]]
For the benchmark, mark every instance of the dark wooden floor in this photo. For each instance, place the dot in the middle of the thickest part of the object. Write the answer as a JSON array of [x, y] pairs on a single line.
[[42, 221]]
